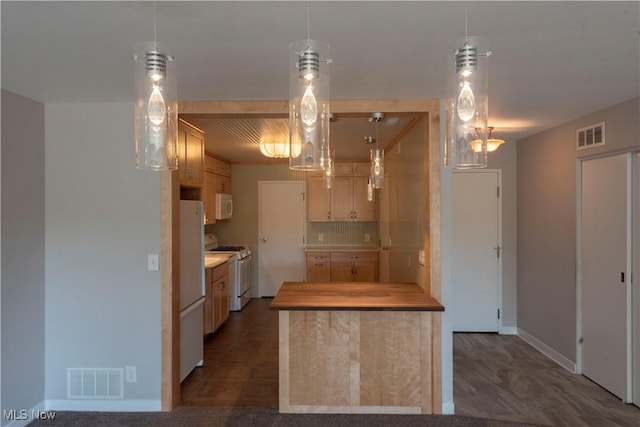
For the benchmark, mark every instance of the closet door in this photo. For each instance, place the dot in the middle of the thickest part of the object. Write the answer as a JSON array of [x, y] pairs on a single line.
[[604, 255]]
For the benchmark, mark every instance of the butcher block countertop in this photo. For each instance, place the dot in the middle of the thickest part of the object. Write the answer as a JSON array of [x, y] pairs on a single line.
[[353, 296], [212, 261]]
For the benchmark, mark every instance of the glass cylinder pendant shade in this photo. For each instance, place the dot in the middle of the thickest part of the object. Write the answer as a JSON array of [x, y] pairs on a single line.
[[308, 104], [377, 167], [156, 108], [468, 103], [327, 173]]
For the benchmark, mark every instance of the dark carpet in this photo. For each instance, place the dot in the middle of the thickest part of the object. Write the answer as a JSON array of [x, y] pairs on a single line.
[[241, 417]]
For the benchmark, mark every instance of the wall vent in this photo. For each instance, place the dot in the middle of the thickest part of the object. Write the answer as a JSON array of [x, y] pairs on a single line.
[[590, 136], [95, 383]]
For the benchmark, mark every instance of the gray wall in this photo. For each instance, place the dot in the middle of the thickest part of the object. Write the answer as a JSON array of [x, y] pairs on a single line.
[[547, 221], [23, 256], [504, 158], [102, 219], [243, 227]]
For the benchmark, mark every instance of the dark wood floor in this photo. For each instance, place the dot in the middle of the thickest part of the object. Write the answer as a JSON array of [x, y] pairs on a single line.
[[495, 376], [240, 362]]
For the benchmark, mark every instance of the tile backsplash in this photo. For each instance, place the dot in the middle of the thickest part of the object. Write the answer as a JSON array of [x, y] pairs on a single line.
[[343, 233]]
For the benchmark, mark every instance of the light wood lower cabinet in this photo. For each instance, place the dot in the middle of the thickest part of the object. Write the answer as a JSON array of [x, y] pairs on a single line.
[[342, 266], [216, 306], [318, 267]]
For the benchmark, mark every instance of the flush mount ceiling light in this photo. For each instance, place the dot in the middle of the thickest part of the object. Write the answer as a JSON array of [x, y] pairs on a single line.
[[309, 104], [274, 149], [156, 106], [468, 103], [376, 174], [492, 143]]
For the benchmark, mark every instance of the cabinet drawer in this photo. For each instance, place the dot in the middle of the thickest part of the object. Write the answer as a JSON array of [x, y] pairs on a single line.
[[220, 271], [354, 257], [318, 256]]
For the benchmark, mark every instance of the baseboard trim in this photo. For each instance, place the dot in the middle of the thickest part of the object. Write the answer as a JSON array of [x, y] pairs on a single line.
[[547, 351], [24, 417], [133, 405], [509, 330], [448, 408]]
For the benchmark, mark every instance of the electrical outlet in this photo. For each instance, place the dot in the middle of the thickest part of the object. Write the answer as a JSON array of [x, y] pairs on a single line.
[[320, 237], [421, 256], [367, 237], [152, 262], [130, 374]]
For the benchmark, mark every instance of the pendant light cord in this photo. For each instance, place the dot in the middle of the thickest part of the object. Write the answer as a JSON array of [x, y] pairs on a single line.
[[308, 26], [155, 37], [466, 33]]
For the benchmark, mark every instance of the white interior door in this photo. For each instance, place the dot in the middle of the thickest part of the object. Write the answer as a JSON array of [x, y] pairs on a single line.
[[603, 260], [475, 254], [281, 230]]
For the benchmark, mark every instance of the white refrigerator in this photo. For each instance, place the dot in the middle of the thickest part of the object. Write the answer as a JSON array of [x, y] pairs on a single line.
[[191, 286]]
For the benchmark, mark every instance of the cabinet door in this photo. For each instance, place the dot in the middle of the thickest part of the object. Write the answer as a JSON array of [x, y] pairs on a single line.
[[208, 302], [341, 271], [224, 299], [182, 153], [342, 199], [318, 200], [223, 184], [361, 169], [365, 272], [217, 304], [318, 272], [195, 158], [364, 209], [209, 198]]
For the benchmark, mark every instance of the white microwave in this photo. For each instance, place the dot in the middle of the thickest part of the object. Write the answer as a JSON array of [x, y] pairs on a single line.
[[224, 206]]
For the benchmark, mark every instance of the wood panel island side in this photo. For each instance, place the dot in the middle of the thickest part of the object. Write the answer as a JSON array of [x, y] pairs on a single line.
[[358, 348]]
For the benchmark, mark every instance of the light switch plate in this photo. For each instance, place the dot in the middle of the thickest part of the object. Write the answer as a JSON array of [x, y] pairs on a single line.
[[152, 262]]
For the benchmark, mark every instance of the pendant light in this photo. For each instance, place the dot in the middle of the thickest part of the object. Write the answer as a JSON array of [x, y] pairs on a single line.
[[156, 106], [308, 103], [376, 175], [468, 103], [492, 143]]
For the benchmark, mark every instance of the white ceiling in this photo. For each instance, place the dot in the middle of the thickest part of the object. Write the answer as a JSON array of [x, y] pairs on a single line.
[[551, 61]]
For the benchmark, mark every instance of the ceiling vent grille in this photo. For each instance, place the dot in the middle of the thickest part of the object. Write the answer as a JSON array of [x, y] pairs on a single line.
[[99, 383], [590, 136]]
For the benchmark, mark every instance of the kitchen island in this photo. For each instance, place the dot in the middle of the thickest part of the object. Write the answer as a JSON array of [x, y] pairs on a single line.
[[358, 348]]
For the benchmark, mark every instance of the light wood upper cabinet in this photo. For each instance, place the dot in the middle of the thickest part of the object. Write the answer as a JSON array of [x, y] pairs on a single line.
[[318, 200], [217, 179], [217, 166], [190, 155], [347, 198], [209, 197]]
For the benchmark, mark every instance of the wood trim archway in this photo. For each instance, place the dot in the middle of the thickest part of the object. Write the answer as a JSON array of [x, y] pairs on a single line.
[[429, 109]]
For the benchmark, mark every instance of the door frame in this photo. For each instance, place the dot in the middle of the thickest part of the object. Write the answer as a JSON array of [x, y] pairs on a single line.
[[499, 201], [427, 108], [302, 184], [631, 224]]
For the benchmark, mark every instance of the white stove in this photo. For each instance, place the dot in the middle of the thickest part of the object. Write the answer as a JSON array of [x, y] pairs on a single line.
[[239, 270]]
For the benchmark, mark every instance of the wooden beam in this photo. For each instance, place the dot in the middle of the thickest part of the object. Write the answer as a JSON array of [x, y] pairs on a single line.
[[280, 108], [170, 278]]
